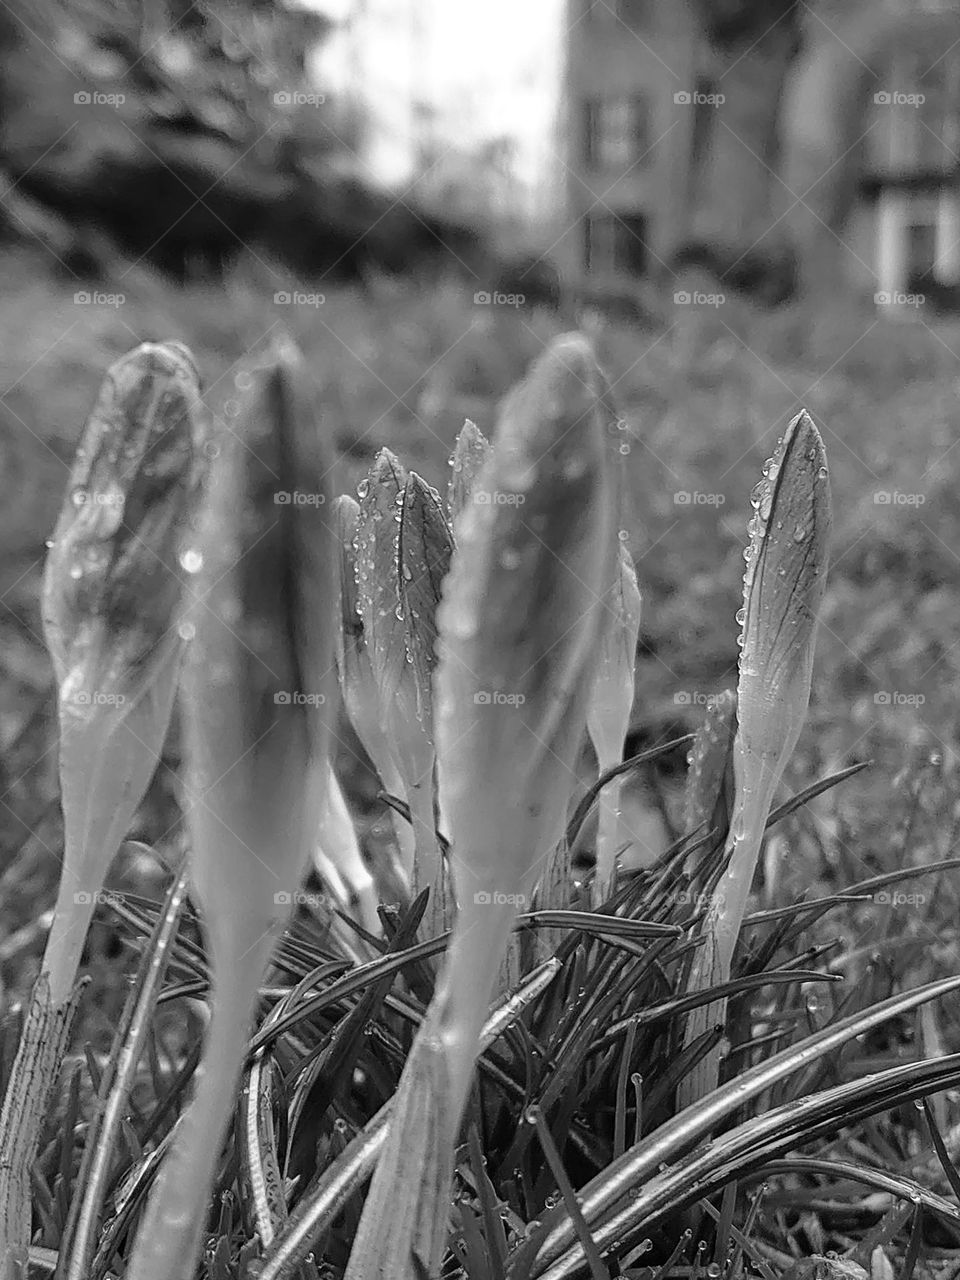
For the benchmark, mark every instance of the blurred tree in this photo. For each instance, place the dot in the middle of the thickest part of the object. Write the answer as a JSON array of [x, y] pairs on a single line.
[[187, 135]]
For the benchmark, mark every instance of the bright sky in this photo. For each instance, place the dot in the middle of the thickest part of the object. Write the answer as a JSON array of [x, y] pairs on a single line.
[[490, 70]]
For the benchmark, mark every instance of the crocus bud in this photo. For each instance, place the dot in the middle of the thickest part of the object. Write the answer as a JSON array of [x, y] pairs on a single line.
[[519, 624], [259, 708], [357, 684], [470, 453], [782, 592], [423, 554], [611, 702], [111, 593], [381, 603]]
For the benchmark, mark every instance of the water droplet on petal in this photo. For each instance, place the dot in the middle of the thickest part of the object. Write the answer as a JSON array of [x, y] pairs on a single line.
[[192, 560]]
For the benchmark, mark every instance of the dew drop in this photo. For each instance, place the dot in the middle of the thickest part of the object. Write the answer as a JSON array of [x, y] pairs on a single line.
[[192, 560], [741, 616], [799, 533], [822, 473], [363, 488], [76, 572], [186, 630], [79, 496]]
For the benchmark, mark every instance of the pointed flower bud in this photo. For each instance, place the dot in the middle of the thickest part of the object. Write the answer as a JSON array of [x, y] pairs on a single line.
[[357, 684], [381, 596], [423, 551], [259, 707], [470, 454], [611, 703], [111, 595], [519, 624], [783, 590]]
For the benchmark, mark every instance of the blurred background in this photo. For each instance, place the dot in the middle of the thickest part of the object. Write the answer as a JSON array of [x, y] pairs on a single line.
[[750, 205]]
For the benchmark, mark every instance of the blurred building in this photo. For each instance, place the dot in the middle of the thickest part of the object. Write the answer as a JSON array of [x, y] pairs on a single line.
[[871, 128], [634, 113]]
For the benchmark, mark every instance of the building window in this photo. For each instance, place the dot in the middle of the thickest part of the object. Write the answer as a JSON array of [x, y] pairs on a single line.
[[616, 132], [615, 245]]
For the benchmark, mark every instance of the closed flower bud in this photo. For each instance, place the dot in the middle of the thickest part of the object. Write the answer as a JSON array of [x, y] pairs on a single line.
[[611, 703], [110, 602], [259, 706], [381, 598], [783, 589], [470, 453], [423, 555], [519, 624], [357, 685]]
